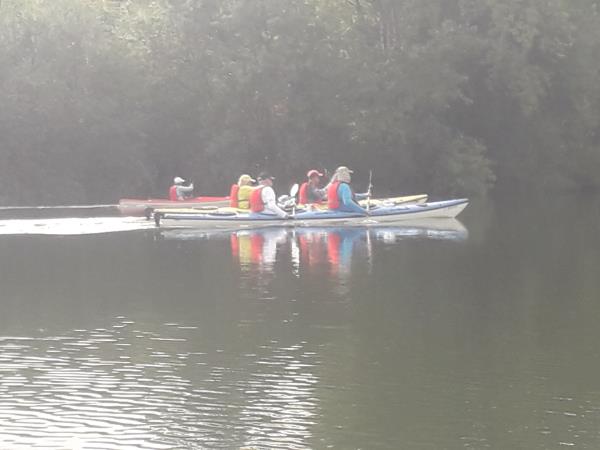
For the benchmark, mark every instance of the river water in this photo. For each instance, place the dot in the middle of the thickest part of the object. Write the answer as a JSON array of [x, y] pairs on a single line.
[[440, 336]]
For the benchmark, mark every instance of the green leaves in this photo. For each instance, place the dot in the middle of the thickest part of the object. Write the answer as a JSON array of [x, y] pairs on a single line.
[[102, 100]]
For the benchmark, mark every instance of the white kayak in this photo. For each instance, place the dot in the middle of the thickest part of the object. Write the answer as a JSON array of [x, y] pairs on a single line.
[[378, 215]]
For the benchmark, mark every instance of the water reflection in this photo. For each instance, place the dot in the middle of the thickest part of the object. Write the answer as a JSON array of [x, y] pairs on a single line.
[[257, 248], [128, 387], [332, 251], [319, 249], [124, 342]]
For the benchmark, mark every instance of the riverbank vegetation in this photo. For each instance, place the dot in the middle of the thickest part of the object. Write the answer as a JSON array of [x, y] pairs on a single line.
[[103, 99]]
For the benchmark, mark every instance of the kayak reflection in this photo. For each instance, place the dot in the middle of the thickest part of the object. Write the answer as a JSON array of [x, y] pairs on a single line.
[[318, 248], [257, 247]]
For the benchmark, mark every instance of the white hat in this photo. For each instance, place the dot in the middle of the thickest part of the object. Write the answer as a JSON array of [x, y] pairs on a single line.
[[178, 180], [343, 169]]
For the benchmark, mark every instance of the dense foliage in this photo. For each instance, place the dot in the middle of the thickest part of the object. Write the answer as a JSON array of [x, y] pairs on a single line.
[[107, 98]]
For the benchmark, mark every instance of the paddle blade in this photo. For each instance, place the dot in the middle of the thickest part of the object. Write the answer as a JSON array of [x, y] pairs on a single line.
[[294, 190]]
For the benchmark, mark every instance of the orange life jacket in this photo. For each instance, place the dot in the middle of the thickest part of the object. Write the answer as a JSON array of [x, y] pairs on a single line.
[[233, 196], [256, 201], [173, 193], [303, 194], [333, 199]]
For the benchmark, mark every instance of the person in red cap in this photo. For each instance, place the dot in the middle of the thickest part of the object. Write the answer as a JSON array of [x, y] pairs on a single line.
[[310, 191]]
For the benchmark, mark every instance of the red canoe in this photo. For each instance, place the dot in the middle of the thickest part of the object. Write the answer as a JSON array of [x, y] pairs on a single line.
[[138, 206]]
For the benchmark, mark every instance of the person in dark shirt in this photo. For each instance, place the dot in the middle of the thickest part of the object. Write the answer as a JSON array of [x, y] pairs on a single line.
[[310, 192]]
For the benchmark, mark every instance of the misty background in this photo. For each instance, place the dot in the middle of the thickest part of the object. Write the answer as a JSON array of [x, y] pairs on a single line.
[[105, 99]]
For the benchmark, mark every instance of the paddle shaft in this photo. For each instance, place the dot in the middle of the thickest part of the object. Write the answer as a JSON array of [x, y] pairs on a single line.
[[369, 190]]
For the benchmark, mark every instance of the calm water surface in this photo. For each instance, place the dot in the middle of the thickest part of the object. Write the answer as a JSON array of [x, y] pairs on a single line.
[[430, 337]]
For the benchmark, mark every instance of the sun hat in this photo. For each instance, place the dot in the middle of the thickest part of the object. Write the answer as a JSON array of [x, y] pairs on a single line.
[[245, 179], [343, 169]]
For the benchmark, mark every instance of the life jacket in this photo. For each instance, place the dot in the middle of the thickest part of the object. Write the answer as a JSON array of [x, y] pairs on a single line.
[[333, 199], [233, 196], [303, 194], [243, 197], [256, 201], [173, 193]]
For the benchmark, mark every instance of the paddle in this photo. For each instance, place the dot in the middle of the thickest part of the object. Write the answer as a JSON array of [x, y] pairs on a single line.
[[293, 192], [369, 190]]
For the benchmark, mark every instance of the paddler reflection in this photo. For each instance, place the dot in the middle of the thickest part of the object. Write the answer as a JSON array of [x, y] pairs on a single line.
[[332, 247], [317, 250], [257, 248]]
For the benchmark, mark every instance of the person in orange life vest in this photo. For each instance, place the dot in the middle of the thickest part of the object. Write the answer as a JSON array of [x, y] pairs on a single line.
[[239, 196], [340, 196], [263, 200], [179, 191], [310, 191]]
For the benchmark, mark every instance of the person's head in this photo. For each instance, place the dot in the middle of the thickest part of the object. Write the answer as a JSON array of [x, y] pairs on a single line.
[[343, 174], [178, 180], [314, 176], [245, 180], [266, 179]]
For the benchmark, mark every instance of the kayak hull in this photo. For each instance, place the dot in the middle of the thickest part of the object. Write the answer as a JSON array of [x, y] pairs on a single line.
[[380, 215], [139, 207]]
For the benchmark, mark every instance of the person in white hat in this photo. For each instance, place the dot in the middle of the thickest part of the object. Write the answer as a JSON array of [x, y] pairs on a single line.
[[340, 196], [180, 191]]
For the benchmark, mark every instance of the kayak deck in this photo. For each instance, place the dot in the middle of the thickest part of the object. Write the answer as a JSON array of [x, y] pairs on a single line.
[[375, 202]]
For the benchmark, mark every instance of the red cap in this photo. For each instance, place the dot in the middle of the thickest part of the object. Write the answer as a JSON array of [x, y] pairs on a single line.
[[313, 172]]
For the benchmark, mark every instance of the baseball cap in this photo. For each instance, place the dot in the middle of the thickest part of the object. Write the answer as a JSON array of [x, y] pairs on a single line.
[[265, 176]]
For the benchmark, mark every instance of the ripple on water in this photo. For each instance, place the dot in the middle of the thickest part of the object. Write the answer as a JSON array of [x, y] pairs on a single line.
[[101, 389]]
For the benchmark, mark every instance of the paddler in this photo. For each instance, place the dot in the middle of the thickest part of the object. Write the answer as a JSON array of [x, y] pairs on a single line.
[[240, 192], [340, 196], [309, 191], [263, 199], [180, 190]]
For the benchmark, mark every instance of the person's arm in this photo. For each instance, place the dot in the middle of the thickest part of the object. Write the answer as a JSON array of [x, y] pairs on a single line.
[[316, 194], [348, 203], [268, 198], [183, 190]]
